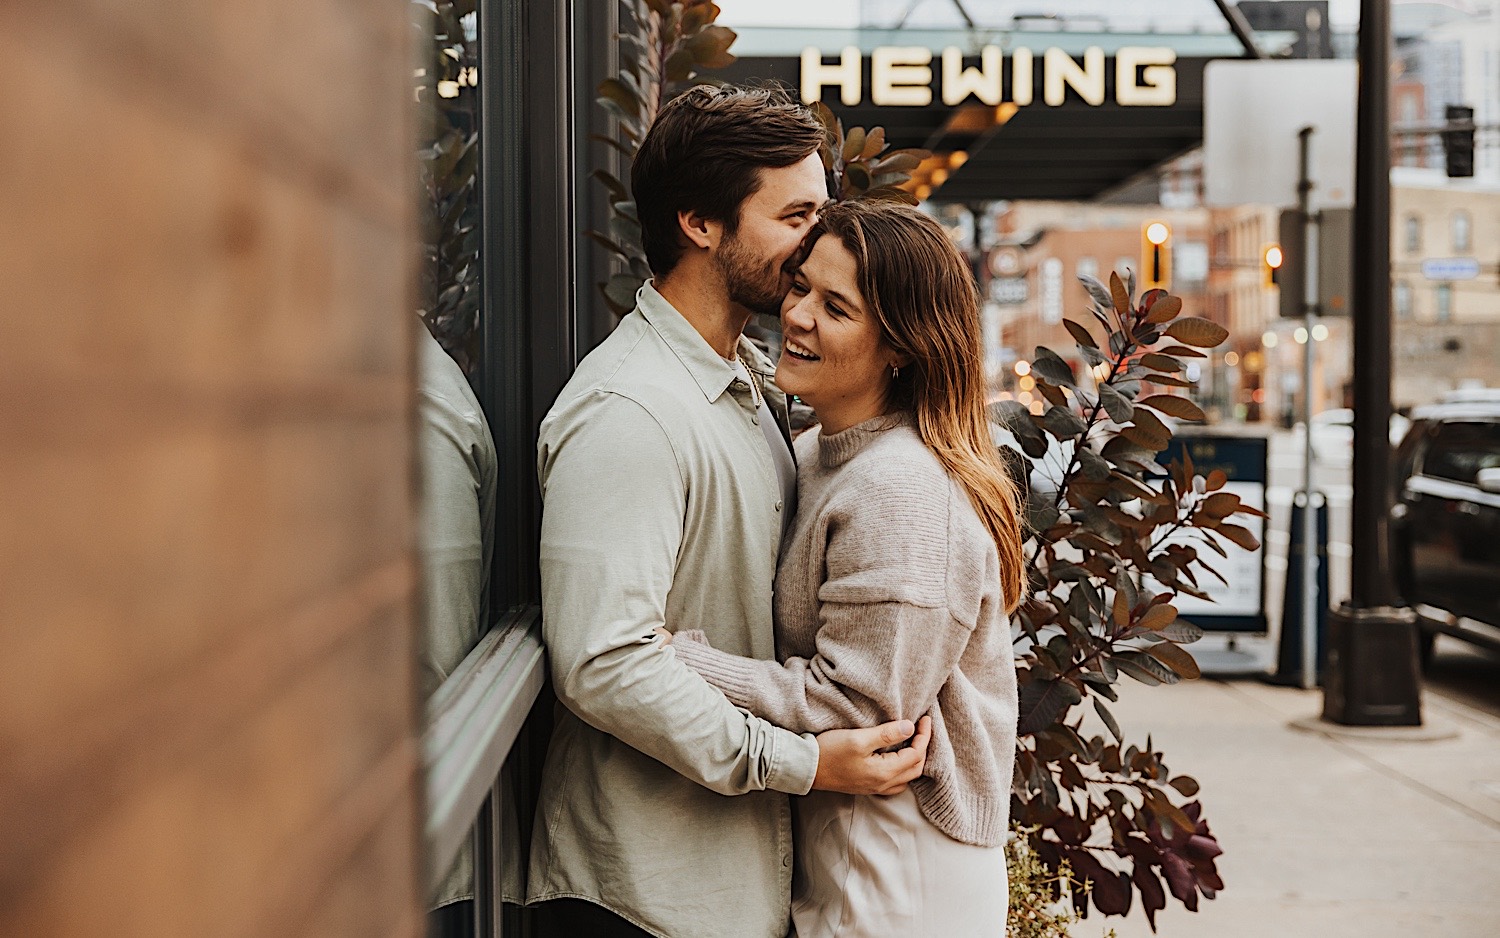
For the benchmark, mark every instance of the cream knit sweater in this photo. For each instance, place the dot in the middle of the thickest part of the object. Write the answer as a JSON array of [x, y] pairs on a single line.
[[888, 606]]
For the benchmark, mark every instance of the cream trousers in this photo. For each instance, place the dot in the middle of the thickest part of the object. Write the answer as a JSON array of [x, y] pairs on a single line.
[[875, 867]]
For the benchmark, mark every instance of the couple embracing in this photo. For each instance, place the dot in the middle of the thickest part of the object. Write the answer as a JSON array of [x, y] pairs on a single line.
[[733, 617]]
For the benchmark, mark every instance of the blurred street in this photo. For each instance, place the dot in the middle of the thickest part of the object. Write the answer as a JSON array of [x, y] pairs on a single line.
[[1327, 837]]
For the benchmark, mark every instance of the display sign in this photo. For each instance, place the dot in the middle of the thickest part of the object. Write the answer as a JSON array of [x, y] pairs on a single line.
[[1252, 112], [903, 76], [1238, 604]]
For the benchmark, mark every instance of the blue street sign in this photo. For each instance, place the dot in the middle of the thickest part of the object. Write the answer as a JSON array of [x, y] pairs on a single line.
[[1450, 268]]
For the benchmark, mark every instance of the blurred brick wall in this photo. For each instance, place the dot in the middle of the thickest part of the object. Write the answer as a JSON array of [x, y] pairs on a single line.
[[206, 683]]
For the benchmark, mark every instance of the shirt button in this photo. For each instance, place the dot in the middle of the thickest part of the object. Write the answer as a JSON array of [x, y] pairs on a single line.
[[755, 420], [778, 506], [786, 861]]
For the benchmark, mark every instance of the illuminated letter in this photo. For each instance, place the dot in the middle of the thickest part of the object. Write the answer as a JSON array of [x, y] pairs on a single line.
[[983, 82], [1059, 69], [1158, 86], [845, 74], [1020, 77], [899, 75]]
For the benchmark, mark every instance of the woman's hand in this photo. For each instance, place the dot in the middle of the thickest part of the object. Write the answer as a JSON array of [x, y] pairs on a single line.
[[664, 635]]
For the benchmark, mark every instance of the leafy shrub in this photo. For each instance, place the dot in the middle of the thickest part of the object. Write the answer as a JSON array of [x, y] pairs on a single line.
[[1115, 538]]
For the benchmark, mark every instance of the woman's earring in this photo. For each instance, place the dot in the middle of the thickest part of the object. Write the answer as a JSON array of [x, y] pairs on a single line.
[[895, 372]]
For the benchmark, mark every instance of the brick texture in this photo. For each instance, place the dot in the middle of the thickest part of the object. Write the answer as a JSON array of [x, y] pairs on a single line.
[[207, 704]]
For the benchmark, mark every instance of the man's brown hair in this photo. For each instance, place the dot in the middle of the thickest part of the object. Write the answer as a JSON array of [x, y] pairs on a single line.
[[704, 153]]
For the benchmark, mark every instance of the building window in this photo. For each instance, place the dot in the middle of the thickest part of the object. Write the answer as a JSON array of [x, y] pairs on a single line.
[[1192, 265], [1088, 267], [1402, 299], [1444, 302], [1124, 265], [1413, 234], [1463, 237]]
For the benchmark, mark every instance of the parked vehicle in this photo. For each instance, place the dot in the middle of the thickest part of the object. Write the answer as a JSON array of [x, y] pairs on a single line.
[[1333, 434], [1445, 530]]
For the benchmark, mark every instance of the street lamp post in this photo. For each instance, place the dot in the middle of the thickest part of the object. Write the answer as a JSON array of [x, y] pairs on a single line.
[[1372, 677]]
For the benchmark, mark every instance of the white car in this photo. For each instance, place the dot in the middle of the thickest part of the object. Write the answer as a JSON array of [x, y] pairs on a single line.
[[1333, 434]]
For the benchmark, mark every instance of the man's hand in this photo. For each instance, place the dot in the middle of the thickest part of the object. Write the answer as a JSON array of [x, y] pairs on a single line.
[[850, 761]]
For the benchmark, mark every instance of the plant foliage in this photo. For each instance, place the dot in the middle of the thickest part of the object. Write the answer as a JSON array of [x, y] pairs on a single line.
[[1040, 895], [448, 105], [860, 165], [1115, 538]]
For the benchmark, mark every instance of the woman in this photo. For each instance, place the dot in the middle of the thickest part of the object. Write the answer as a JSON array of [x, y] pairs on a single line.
[[895, 583]]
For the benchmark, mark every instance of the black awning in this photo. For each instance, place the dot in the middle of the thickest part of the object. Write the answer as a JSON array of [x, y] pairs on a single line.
[[1070, 151]]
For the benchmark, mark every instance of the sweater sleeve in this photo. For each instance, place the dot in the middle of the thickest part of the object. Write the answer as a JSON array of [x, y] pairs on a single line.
[[887, 638]]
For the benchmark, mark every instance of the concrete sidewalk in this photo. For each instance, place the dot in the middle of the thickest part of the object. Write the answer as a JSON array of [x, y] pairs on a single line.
[[1327, 836]]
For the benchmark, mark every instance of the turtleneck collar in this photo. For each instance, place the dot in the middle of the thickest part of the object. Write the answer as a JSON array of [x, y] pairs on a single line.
[[838, 448]]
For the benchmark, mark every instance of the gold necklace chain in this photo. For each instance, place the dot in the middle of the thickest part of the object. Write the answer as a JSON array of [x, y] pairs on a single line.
[[754, 390]]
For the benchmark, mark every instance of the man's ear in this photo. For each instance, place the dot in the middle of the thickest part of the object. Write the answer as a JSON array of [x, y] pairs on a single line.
[[699, 231]]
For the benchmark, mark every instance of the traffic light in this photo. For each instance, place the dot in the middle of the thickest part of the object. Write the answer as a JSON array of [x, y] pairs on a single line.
[[1156, 256], [1458, 141], [1270, 264]]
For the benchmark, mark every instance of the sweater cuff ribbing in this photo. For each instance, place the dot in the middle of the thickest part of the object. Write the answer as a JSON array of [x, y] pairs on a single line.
[[729, 673]]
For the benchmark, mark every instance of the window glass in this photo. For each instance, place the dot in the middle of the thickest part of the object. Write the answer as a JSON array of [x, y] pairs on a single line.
[[1460, 450], [1192, 264], [1088, 267], [1444, 302], [1401, 297], [1462, 232], [456, 459], [1413, 234], [447, 80]]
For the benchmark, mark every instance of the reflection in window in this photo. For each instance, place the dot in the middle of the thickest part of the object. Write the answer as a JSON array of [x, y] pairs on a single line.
[[1401, 299], [1462, 232], [448, 102], [1444, 302], [1413, 234], [456, 453]]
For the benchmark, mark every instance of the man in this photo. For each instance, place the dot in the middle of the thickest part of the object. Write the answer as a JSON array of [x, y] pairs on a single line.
[[666, 475]]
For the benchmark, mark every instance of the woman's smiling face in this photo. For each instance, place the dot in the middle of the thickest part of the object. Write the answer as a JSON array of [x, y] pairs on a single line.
[[833, 354]]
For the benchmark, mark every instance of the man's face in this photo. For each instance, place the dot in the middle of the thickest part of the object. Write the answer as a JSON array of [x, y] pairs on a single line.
[[772, 225]]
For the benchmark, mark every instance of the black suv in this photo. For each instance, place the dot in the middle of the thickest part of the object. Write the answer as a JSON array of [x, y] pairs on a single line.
[[1445, 524]]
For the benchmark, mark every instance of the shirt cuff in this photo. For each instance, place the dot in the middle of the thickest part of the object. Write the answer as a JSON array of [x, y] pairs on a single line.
[[794, 763]]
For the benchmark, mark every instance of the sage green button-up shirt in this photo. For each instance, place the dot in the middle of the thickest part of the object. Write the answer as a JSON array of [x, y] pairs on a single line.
[[661, 800]]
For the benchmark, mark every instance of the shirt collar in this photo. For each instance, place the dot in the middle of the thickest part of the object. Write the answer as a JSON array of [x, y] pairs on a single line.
[[709, 369]]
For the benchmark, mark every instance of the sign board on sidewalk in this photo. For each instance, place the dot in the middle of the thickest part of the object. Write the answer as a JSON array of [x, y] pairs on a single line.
[[1450, 268], [1238, 604], [1252, 111]]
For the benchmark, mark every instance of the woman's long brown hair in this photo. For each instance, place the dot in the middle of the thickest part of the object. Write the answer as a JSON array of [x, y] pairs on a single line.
[[921, 292]]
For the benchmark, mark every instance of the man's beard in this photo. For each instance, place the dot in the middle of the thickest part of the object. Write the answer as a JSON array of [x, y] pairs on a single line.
[[753, 282]]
